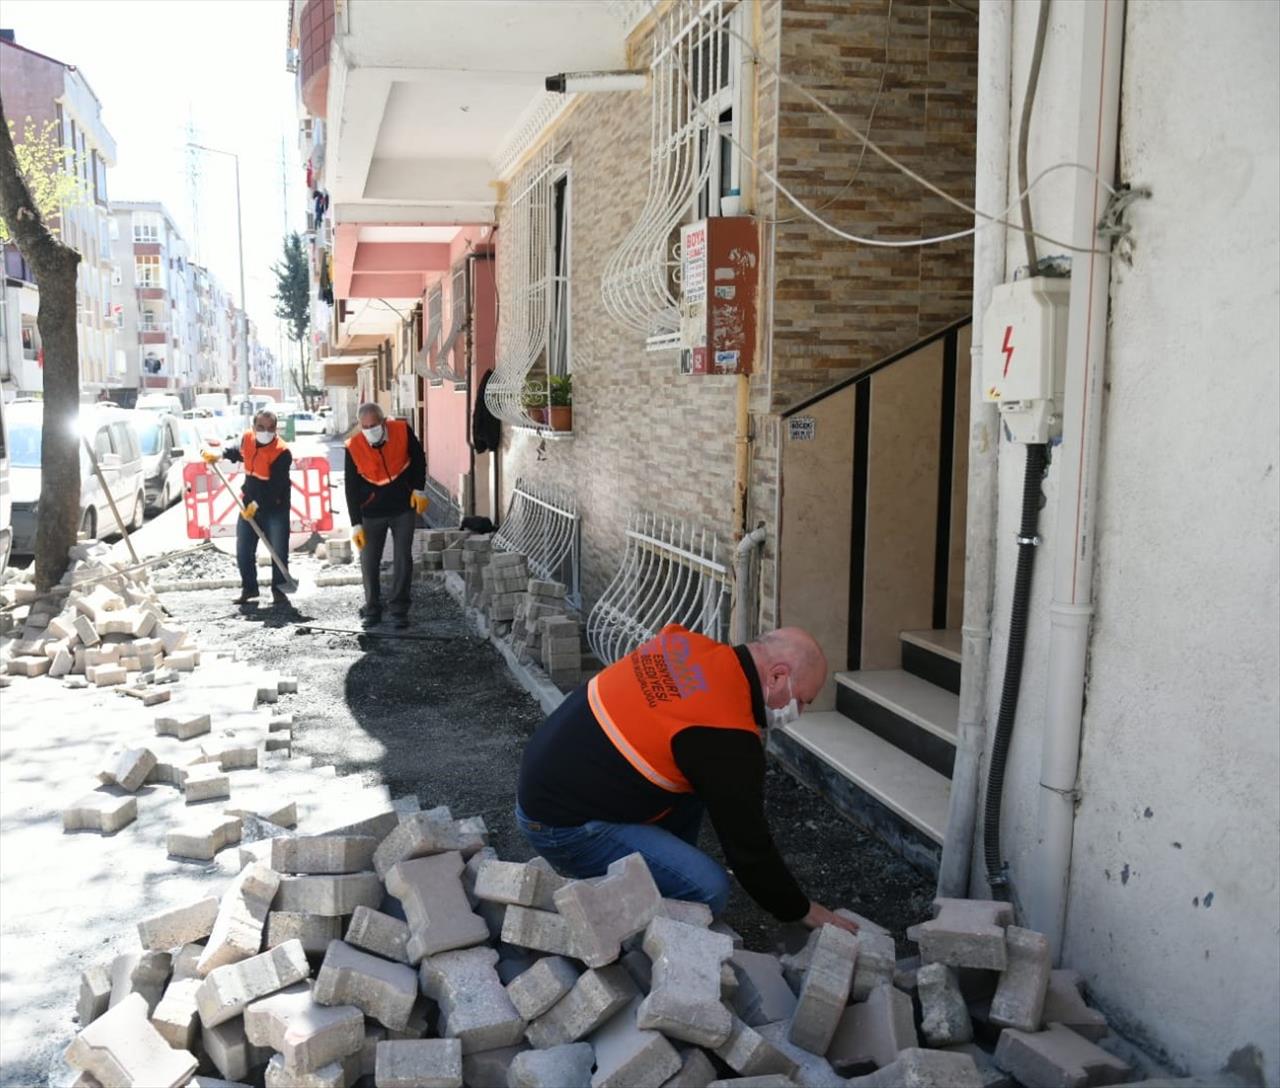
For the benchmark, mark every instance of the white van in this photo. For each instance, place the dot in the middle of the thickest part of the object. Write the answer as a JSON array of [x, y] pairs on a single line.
[[116, 447], [159, 402], [163, 456], [6, 499]]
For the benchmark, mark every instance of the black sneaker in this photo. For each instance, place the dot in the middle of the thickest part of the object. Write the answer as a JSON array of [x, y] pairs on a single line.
[[278, 596], [246, 597], [400, 621], [370, 617]]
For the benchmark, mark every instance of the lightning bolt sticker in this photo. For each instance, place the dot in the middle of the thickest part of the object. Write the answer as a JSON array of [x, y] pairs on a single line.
[[1007, 348]]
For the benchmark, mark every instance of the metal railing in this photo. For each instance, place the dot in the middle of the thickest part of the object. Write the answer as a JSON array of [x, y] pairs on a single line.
[[670, 573], [542, 525]]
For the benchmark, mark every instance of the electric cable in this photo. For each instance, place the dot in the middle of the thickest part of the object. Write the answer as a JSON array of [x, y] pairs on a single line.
[[1024, 130]]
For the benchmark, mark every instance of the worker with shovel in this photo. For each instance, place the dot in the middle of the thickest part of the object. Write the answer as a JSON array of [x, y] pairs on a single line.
[[266, 461], [386, 471]]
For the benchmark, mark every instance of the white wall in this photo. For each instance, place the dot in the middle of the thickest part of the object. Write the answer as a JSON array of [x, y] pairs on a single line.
[[1180, 768]]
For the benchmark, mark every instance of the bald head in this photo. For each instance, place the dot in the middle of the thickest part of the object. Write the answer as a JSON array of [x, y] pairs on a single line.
[[790, 662]]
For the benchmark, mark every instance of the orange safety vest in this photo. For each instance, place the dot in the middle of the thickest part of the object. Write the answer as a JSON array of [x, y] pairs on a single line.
[[673, 681], [259, 459], [382, 464]]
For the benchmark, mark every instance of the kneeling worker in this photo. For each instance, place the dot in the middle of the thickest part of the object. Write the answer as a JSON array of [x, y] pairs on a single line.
[[386, 472], [629, 762], [266, 461]]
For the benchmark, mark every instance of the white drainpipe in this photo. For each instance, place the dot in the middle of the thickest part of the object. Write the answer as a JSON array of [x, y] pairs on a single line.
[[990, 195], [740, 621], [1049, 874]]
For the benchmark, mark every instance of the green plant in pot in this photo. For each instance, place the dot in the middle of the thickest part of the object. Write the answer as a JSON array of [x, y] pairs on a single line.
[[562, 402], [534, 399]]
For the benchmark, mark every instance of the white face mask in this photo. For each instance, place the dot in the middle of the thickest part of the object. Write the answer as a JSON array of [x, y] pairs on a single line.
[[264, 438], [784, 715], [374, 435]]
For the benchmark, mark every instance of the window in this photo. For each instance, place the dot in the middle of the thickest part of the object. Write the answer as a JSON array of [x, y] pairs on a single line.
[[146, 228], [559, 357], [148, 270], [435, 317], [113, 228]]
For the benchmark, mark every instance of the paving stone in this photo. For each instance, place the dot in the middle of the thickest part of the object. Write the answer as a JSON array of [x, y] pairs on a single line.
[[440, 918], [1064, 1004], [340, 1074], [640, 968], [102, 676], [128, 769], [684, 1001], [177, 1016], [323, 854], [142, 973], [874, 1031], [242, 914], [422, 834], [567, 1066], [385, 991], [228, 989], [628, 1056], [596, 996], [100, 811], [916, 1068], [825, 990], [992, 1075], [696, 1071], [378, 933], [87, 631], [183, 726], [423, 1019], [691, 914], [421, 1063], [534, 991], [750, 1054], [763, 995], [877, 963], [182, 660], [812, 1071], [201, 835], [507, 882], [905, 975], [474, 1006], [965, 933], [180, 926], [122, 1048], [1019, 998], [541, 930], [230, 1050], [205, 782], [946, 1020], [603, 913], [304, 1034], [215, 1082], [490, 1069], [95, 994], [287, 685], [315, 931], [1057, 1058], [373, 1035], [331, 895], [769, 1080]]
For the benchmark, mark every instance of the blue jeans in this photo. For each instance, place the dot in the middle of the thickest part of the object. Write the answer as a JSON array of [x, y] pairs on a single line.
[[679, 868], [275, 524]]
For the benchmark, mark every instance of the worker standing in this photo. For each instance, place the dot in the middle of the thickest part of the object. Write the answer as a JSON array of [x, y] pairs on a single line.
[[385, 474], [629, 763], [266, 461]]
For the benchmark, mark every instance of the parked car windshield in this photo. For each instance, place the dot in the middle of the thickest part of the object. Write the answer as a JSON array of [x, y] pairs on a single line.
[[148, 436], [24, 445]]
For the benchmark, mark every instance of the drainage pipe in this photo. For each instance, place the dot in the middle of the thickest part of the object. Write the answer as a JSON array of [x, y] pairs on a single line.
[[990, 194], [743, 554], [1072, 608]]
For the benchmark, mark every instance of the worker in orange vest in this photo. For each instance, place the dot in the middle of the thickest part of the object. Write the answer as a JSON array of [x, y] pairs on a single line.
[[629, 763], [266, 461], [386, 471]]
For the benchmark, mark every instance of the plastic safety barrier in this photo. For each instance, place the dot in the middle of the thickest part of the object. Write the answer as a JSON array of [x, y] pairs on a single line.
[[212, 510]]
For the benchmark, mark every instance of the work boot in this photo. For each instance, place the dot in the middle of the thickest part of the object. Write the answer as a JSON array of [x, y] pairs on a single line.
[[278, 596], [400, 621], [246, 597], [370, 617]]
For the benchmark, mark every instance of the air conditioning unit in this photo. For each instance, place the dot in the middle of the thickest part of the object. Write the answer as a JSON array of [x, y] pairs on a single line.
[[720, 266]]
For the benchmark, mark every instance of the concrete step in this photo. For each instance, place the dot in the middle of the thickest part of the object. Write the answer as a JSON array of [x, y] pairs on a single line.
[[933, 656], [870, 780], [908, 712]]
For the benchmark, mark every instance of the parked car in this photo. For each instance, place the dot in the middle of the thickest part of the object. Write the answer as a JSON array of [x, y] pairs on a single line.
[[159, 402], [308, 423], [163, 456], [115, 445], [6, 499]]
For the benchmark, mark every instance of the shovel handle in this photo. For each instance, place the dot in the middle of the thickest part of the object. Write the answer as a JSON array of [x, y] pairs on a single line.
[[254, 523]]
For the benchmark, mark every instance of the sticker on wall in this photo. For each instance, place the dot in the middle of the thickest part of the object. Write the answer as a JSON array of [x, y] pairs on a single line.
[[802, 428], [726, 292], [727, 361]]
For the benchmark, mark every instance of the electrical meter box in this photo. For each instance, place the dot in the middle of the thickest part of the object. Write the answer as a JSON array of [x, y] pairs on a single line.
[[1024, 348], [720, 278]]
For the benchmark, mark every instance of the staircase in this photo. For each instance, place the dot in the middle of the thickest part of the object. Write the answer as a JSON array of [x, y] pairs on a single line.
[[884, 756]]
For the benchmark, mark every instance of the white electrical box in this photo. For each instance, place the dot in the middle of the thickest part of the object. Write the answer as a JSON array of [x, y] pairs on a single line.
[[1024, 348]]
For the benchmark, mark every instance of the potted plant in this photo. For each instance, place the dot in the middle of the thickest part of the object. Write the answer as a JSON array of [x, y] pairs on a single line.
[[562, 402], [535, 400]]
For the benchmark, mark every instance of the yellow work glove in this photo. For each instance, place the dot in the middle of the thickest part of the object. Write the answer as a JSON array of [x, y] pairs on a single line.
[[209, 456], [249, 510], [419, 501], [357, 537]]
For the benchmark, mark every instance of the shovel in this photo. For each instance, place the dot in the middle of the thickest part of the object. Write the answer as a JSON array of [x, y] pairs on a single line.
[[290, 585]]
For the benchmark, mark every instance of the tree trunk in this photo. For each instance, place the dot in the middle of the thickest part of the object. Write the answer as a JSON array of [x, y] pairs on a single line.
[[54, 267]]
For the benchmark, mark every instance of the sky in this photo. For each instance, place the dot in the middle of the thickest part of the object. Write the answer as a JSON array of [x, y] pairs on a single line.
[[159, 66]]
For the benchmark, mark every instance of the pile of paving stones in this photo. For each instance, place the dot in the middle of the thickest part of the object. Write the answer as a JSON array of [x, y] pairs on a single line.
[[400, 949], [103, 625]]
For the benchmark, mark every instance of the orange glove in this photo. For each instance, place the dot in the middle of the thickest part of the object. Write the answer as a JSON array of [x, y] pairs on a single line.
[[357, 536], [250, 508], [419, 501], [210, 457]]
